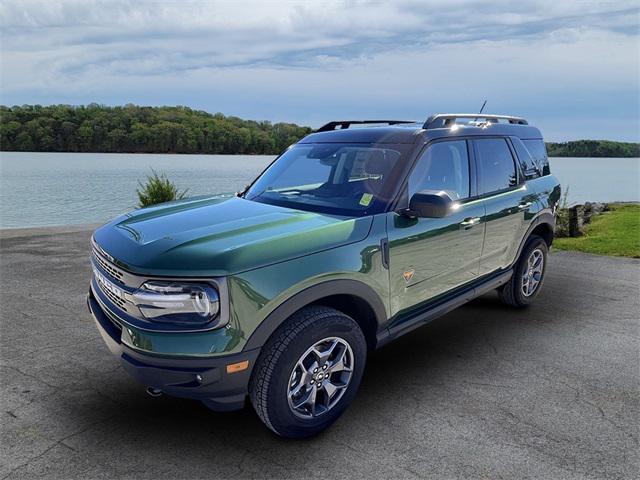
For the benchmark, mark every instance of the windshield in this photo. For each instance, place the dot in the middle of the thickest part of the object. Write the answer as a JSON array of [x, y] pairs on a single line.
[[332, 178]]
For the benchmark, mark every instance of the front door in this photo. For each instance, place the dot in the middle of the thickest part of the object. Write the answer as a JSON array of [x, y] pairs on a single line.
[[431, 256], [507, 202]]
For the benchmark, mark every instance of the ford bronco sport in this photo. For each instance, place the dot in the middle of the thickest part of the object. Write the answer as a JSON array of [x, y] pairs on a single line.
[[349, 239]]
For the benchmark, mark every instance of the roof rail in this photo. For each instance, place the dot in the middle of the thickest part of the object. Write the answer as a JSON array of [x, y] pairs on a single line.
[[442, 120], [347, 123]]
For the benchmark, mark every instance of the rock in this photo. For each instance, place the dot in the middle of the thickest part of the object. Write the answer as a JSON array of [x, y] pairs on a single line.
[[593, 208]]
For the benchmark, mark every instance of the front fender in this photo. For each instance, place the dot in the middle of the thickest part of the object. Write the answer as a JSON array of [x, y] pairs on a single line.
[[263, 298], [313, 294]]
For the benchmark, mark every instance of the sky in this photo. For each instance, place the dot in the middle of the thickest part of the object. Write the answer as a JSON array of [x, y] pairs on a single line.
[[571, 68]]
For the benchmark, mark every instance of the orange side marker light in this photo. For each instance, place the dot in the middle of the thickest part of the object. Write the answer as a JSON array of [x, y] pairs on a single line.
[[237, 367]]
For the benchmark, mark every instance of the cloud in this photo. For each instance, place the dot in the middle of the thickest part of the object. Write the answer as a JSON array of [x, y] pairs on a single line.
[[307, 61]]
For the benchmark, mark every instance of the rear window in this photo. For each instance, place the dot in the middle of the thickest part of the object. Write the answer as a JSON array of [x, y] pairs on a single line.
[[538, 152]]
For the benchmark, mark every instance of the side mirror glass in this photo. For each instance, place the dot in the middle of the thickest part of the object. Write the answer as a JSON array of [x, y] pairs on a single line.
[[430, 204]]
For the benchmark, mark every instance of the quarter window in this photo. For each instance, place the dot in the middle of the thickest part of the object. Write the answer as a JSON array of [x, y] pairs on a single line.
[[529, 166], [443, 167], [538, 152], [497, 170]]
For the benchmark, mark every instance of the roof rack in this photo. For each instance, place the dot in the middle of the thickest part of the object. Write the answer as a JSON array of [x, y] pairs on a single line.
[[347, 123], [442, 120]]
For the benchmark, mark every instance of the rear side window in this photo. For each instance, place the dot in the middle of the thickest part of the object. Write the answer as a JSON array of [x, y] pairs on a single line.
[[538, 152], [497, 171]]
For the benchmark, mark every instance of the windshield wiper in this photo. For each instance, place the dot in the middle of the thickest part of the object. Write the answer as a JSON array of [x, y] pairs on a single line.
[[291, 190]]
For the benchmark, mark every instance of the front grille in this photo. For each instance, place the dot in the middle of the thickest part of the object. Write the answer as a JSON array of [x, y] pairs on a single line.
[[108, 267], [114, 276], [117, 300]]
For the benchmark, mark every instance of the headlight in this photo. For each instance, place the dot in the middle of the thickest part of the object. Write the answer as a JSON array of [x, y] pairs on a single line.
[[186, 303]]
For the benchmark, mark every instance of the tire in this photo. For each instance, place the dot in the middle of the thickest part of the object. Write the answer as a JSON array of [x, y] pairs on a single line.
[[513, 292], [279, 372]]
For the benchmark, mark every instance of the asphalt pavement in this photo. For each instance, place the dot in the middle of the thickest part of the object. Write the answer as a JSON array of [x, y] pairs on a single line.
[[549, 392]]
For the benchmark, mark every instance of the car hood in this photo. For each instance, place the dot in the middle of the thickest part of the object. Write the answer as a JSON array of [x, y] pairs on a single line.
[[215, 236]]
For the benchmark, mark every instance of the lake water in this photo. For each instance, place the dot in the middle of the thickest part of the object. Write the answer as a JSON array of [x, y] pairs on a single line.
[[40, 189]]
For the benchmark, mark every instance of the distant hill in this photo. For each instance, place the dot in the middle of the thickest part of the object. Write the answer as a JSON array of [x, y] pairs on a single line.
[[136, 129], [593, 148]]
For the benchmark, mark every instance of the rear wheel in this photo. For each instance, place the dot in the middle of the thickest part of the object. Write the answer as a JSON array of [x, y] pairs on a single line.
[[308, 372], [528, 274]]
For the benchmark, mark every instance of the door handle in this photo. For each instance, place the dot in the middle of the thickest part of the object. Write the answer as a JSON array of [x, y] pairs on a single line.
[[524, 206], [468, 223]]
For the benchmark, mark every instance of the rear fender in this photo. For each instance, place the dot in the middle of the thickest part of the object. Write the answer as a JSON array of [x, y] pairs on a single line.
[[545, 217]]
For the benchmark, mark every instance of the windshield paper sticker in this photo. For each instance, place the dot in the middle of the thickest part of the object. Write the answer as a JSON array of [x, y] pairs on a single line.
[[366, 199]]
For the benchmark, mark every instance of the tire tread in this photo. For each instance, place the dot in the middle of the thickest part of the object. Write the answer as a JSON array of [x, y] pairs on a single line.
[[508, 293], [273, 350]]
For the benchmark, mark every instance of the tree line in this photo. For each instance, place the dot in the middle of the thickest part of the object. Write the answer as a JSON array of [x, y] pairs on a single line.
[[593, 148], [136, 129]]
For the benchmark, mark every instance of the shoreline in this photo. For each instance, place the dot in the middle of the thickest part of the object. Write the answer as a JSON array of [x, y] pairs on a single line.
[[185, 154], [7, 233]]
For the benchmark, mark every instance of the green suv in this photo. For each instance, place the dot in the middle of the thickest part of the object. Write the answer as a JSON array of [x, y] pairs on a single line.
[[349, 239]]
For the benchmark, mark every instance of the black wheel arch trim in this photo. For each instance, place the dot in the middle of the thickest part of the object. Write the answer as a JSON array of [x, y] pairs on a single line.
[[313, 294], [543, 218]]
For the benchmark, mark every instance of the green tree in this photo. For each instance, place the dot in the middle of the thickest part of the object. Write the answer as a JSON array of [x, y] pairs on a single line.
[[593, 148], [98, 128]]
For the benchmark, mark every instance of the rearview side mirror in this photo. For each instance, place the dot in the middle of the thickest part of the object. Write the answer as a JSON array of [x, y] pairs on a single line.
[[430, 204]]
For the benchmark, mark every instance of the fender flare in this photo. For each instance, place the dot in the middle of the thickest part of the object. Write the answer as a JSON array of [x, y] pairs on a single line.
[[545, 217], [312, 294]]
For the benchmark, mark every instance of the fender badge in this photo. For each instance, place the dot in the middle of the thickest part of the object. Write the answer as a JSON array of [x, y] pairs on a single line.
[[408, 275]]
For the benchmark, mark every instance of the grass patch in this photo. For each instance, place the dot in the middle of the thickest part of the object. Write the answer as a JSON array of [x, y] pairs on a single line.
[[616, 232]]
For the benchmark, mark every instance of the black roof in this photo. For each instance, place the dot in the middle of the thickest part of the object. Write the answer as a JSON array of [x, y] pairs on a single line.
[[403, 133], [411, 132]]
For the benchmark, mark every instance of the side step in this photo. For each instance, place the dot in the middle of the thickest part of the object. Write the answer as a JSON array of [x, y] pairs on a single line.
[[442, 307]]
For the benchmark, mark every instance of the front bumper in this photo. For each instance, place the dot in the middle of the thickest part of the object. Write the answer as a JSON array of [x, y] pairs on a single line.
[[204, 379]]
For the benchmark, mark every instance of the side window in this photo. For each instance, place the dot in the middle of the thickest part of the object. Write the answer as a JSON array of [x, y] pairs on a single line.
[[497, 171], [538, 152], [443, 166], [530, 167]]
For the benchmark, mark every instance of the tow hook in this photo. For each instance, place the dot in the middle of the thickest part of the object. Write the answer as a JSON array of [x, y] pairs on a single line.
[[154, 392]]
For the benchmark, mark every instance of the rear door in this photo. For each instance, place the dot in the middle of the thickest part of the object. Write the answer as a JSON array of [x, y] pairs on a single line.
[[507, 200], [431, 256]]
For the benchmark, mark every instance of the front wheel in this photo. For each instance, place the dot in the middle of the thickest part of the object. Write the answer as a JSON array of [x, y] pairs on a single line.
[[528, 274], [308, 372]]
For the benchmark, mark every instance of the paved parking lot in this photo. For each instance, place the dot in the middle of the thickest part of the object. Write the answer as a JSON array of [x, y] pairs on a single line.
[[485, 392]]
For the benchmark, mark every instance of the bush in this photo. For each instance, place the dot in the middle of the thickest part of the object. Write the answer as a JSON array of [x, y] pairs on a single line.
[[158, 189]]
